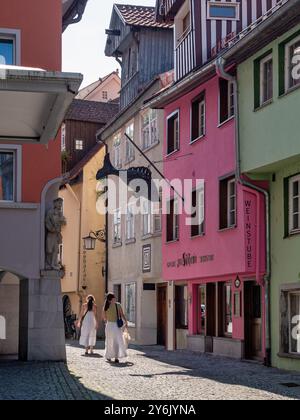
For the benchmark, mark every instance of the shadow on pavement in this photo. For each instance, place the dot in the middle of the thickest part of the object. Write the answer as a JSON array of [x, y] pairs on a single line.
[[223, 370], [42, 381]]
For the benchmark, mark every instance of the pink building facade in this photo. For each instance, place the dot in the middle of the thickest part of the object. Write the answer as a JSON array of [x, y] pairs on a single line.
[[218, 271]]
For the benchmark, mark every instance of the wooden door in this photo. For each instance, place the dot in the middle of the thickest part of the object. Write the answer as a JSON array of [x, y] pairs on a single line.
[[162, 315], [253, 321]]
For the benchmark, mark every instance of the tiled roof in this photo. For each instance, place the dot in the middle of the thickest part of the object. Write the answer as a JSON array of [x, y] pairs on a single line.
[[140, 16], [91, 111]]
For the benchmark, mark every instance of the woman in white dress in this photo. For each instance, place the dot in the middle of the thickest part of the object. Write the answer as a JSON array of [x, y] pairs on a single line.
[[88, 324], [115, 347]]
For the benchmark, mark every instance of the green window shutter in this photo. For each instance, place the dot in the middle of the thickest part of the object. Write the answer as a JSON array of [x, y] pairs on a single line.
[[286, 206]]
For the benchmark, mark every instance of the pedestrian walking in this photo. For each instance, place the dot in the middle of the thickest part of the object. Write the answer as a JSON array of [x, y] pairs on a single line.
[[89, 325], [113, 316]]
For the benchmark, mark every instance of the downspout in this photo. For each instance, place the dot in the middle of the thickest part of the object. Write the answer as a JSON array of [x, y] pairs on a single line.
[[106, 224], [71, 191], [220, 62]]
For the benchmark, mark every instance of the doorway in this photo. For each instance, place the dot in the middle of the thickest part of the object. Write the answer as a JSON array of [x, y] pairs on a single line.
[[253, 321], [10, 316], [162, 315]]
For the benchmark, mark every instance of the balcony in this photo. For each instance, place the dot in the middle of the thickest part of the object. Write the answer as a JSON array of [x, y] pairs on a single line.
[[167, 9], [185, 55], [129, 91]]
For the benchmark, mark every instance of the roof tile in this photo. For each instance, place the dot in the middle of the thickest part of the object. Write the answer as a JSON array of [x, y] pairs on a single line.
[[141, 16]]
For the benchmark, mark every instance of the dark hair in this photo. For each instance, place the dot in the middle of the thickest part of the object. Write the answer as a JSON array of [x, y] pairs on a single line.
[[109, 298], [90, 303]]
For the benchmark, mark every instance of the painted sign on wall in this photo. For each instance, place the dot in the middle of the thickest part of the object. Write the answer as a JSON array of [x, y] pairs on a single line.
[[250, 230]]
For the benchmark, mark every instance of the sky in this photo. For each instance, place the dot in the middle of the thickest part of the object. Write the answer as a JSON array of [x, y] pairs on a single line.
[[84, 42]]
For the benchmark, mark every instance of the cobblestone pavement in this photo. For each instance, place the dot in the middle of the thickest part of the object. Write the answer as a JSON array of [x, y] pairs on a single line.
[[150, 373]]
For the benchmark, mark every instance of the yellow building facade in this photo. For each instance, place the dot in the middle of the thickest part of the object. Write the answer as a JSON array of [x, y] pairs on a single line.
[[84, 269]]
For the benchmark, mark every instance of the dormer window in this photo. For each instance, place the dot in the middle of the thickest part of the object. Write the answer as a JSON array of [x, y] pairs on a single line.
[[217, 10]]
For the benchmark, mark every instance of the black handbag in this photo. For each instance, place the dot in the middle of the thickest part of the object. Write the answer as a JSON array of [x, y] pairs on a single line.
[[120, 321]]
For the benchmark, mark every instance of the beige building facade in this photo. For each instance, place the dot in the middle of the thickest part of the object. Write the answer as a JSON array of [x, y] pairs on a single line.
[[134, 240], [84, 269]]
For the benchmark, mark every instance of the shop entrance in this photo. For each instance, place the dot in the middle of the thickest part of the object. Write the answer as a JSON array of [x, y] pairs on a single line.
[[162, 315], [253, 321]]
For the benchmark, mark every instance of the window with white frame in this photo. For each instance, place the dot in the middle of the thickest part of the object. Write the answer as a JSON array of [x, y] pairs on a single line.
[[292, 54], [104, 94], [198, 217], [290, 320], [231, 203], [117, 238], [198, 118], [130, 220], [149, 129], [294, 205], [227, 100], [79, 145], [117, 151], [7, 175], [266, 79], [7, 50], [228, 203], [173, 133], [217, 10], [294, 324], [173, 221], [130, 303], [146, 217], [130, 153]]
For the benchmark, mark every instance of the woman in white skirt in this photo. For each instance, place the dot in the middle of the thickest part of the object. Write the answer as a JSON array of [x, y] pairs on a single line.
[[114, 344], [88, 324]]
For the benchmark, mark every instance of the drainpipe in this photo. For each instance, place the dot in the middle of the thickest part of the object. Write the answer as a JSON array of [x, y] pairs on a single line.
[[106, 222], [71, 191], [220, 62]]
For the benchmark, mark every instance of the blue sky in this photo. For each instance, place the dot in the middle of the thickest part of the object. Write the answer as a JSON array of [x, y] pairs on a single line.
[[84, 43]]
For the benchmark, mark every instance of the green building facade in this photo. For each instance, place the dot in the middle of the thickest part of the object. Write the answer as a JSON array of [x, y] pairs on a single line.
[[269, 126]]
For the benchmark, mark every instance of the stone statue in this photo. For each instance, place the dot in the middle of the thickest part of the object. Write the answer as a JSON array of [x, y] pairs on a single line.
[[54, 222]]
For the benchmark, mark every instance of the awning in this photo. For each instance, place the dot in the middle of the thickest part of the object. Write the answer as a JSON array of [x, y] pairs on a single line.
[[33, 103]]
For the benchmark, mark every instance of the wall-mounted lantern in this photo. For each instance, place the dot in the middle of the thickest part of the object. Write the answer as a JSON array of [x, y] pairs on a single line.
[[90, 241]]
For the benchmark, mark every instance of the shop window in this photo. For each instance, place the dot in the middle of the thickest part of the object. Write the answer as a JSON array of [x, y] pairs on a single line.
[[198, 119], [173, 133], [227, 100], [228, 203], [181, 307], [201, 310], [290, 322], [226, 309], [130, 303]]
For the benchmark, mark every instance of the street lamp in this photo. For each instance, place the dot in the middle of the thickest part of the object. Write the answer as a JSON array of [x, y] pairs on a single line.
[[90, 241]]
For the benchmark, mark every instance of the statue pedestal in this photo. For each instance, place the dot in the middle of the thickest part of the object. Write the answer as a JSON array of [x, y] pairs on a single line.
[[42, 324]]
